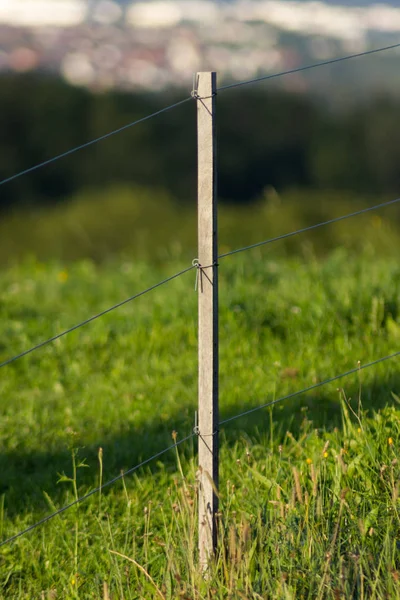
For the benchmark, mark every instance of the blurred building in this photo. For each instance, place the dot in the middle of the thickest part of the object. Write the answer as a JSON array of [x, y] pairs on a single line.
[[158, 43]]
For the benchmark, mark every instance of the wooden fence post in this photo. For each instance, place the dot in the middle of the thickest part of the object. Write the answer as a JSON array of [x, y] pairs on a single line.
[[208, 416]]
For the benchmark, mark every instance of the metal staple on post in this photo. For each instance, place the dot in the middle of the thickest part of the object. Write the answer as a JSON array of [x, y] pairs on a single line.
[[207, 427]]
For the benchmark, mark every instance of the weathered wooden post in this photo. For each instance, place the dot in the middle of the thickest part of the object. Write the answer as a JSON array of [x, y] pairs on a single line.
[[208, 416]]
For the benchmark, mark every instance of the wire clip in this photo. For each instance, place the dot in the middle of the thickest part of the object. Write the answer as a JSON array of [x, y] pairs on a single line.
[[195, 94], [199, 269], [196, 429]]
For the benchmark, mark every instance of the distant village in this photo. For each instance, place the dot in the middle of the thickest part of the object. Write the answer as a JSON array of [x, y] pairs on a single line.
[[156, 44]]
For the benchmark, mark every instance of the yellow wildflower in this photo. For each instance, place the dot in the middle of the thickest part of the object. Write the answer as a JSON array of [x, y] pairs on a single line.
[[309, 461], [62, 276], [325, 455], [390, 441]]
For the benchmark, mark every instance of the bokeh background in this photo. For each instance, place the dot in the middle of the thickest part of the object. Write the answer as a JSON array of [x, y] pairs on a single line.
[[291, 151]]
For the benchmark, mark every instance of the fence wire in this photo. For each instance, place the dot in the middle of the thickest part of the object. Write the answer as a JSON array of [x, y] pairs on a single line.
[[311, 387], [94, 491], [180, 102], [308, 67], [310, 228], [194, 266], [188, 437], [98, 315], [92, 142]]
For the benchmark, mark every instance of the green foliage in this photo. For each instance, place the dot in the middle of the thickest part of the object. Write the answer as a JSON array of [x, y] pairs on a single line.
[[266, 137], [310, 513], [99, 225], [149, 225]]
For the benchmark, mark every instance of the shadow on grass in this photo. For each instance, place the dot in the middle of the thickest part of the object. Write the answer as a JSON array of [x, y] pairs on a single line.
[[25, 478]]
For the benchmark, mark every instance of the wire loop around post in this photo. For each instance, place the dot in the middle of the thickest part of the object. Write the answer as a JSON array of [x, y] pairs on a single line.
[[194, 93], [199, 272]]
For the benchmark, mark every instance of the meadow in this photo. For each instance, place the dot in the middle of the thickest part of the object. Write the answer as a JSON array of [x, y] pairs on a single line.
[[309, 488], [150, 225]]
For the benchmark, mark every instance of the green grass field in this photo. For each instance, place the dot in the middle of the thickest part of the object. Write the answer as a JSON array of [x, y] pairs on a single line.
[[309, 489]]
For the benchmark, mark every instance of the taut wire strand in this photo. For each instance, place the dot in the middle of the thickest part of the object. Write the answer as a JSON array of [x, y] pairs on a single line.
[[308, 67], [92, 492], [311, 387], [194, 433], [95, 141], [310, 228], [100, 314]]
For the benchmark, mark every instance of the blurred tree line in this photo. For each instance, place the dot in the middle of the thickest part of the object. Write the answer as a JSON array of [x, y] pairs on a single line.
[[267, 138]]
